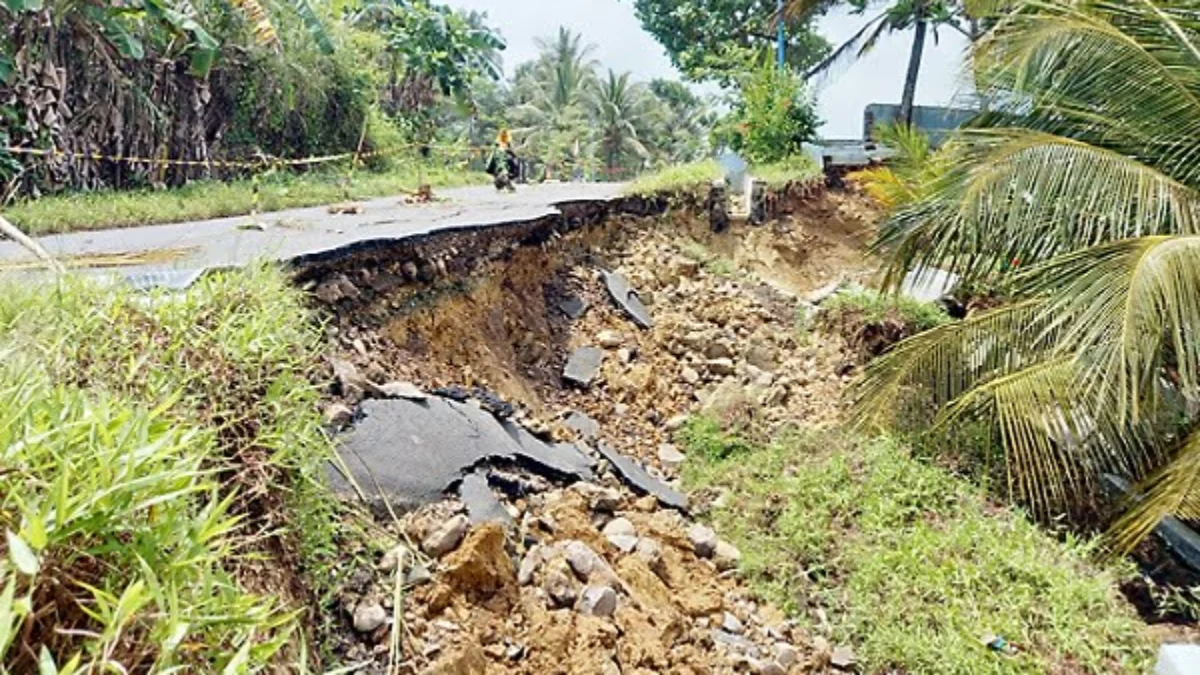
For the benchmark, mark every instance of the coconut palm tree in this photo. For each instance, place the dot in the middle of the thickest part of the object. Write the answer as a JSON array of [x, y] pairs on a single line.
[[1081, 191], [550, 116], [619, 109]]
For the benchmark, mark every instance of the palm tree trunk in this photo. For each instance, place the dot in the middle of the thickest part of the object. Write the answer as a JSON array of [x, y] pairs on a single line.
[[914, 68]]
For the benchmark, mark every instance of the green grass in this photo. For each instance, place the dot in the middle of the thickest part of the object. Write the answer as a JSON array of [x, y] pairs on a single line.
[[711, 262], [212, 199], [800, 168], [676, 179], [873, 307], [912, 564], [159, 475]]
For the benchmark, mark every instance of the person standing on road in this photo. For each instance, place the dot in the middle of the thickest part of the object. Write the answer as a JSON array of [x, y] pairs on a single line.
[[502, 165]]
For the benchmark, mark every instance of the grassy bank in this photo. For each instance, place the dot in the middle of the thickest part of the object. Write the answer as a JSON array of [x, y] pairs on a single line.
[[912, 565], [211, 199], [676, 179], [158, 465]]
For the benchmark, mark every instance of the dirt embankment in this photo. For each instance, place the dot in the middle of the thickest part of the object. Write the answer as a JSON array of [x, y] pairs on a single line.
[[593, 577]]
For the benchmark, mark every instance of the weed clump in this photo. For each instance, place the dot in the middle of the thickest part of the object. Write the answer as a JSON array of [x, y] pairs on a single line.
[[159, 459]]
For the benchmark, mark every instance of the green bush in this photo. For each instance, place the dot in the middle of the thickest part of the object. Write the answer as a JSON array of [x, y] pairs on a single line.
[[873, 307], [151, 445], [772, 118]]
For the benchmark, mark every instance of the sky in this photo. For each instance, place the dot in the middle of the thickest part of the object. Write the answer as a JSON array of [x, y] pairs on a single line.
[[622, 45]]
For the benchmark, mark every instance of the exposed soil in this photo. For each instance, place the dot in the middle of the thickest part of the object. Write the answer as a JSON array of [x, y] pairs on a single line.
[[725, 342]]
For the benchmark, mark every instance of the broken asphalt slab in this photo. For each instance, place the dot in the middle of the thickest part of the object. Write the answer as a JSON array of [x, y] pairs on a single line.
[[583, 366], [409, 453], [626, 298], [641, 481]]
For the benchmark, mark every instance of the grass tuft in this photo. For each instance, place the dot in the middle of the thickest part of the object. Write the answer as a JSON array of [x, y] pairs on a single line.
[[201, 200], [673, 179], [873, 307], [796, 169], [912, 565], [152, 449]]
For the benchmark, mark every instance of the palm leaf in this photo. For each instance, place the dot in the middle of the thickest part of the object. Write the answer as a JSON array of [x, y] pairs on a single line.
[[1174, 490]]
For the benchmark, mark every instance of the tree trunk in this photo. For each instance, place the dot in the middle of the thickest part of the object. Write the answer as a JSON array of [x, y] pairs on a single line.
[[914, 68]]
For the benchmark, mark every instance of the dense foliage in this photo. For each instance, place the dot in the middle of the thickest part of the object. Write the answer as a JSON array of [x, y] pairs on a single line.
[[771, 117], [1079, 192]]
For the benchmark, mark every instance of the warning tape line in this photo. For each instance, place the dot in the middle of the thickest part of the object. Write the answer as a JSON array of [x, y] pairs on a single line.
[[262, 162]]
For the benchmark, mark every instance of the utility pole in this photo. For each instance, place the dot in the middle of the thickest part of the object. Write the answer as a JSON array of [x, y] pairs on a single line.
[[781, 37]]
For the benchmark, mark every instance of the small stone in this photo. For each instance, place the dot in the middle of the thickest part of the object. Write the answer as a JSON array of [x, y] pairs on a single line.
[[704, 540], [401, 389], [718, 350], [609, 339], [621, 533], [338, 415], [369, 616], [584, 561], [529, 564], [624, 355], [350, 380], [620, 409], [583, 366], [602, 499], [598, 601], [670, 458], [650, 552], [786, 655], [822, 650], [732, 624], [676, 423], [559, 587], [720, 366], [646, 504], [734, 642], [417, 574], [726, 556], [446, 537], [689, 375], [843, 658], [514, 652]]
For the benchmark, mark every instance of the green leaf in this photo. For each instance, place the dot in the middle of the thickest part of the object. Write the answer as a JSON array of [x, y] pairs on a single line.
[[126, 43], [24, 5], [46, 665], [20, 553]]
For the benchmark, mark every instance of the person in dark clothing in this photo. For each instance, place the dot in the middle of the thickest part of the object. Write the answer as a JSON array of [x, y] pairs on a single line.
[[503, 165]]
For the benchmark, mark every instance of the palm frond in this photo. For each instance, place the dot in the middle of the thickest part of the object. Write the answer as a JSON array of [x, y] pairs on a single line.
[[1174, 490], [260, 21]]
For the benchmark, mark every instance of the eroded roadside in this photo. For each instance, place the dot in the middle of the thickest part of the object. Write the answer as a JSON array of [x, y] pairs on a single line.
[[563, 542]]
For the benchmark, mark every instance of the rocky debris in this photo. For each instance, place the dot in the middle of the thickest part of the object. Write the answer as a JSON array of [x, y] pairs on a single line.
[[786, 655], [352, 383], [842, 658], [638, 479], [585, 426], [369, 616], [601, 499], [583, 366], [626, 298], [598, 601], [676, 423], [731, 624], [482, 505], [446, 537]]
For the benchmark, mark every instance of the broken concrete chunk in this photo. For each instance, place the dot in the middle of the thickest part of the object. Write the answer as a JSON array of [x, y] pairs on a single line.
[[637, 478], [574, 307], [585, 426], [583, 366], [446, 537], [482, 505], [598, 601], [704, 540], [400, 389], [626, 298]]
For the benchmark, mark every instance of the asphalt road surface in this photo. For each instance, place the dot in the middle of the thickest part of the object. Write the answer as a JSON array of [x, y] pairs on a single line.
[[229, 242]]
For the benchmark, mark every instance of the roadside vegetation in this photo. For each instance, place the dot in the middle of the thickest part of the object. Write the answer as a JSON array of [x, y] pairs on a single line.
[[675, 179], [159, 494], [913, 566], [200, 200]]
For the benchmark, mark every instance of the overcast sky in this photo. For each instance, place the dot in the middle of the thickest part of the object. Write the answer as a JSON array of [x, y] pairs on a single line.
[[623, 45]]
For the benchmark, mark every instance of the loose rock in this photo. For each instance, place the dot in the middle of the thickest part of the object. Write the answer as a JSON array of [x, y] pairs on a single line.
[[621, 533], [670, 458], [720, 367], [446, 537], [732, 624], [704, 540], [369, 616], [583, 366], [598, 601], [609, 339], [726, 556]]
